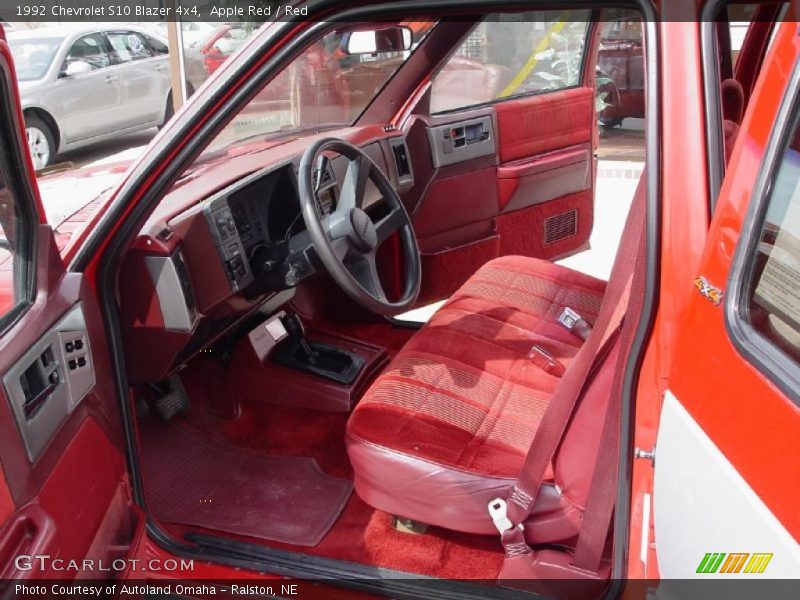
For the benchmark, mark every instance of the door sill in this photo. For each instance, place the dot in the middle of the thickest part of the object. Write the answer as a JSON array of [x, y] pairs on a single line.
[[355, 576]]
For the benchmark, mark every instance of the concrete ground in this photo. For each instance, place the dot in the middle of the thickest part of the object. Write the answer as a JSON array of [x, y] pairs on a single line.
[[625, 143], [101, 152]]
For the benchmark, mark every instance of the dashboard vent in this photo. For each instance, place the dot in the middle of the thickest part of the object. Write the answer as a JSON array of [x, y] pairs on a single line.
[[186, 285], [560, 227], [401, 159]]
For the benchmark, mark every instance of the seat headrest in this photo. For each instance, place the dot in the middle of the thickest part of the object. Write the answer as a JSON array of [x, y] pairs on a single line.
[[732, 94]]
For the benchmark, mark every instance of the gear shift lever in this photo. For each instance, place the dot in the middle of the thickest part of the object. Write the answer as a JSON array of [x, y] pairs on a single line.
[[294, 327], [315, 357]]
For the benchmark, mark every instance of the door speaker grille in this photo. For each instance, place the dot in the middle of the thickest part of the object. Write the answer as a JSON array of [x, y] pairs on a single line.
[[559, 227]]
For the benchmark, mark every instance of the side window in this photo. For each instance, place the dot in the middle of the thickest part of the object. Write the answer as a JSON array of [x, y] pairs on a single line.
[[763, 311], [90, 49], [513, 55], [128, 46], [158, 47], [740, 17], [16, 227], [773, 290]]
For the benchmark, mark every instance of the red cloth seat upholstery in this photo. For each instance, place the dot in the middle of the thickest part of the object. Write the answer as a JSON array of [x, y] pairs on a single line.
[[446, 427]]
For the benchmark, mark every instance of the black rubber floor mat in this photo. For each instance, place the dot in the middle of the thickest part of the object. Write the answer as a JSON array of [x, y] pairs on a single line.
[[193, 481]]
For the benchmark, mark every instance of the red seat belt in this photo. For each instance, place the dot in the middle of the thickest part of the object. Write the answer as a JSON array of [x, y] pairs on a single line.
[[509, 516], [602, 491], [603, 487]]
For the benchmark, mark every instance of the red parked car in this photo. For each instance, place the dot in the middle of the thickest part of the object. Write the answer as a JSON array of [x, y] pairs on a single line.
[[218, 46], [207, 381]]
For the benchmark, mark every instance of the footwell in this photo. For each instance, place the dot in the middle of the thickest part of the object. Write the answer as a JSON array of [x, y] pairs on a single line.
[[191, 480]]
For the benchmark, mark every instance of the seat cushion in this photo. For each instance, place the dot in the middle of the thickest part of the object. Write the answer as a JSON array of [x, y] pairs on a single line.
[[446, 427]]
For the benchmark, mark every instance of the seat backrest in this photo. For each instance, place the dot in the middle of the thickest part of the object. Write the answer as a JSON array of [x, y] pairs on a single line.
[[574, 462], [732, 98], [730, 131]]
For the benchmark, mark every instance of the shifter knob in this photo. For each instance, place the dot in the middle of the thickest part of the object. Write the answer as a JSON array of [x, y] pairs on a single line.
[[294, 327]]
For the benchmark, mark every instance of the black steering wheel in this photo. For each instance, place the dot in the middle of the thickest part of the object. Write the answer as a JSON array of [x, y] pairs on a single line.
[[347, 240]]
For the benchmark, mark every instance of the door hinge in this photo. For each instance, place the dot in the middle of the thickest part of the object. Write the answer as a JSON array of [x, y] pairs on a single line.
[[646, 454]]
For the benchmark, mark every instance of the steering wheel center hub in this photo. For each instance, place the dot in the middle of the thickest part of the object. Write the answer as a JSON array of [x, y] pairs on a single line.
[[363, 231]]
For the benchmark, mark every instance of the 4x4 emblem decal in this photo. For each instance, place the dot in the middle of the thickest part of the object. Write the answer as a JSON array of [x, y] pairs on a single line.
[[710, 292]]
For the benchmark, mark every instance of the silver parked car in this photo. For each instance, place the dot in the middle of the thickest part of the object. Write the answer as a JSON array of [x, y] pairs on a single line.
[[82, 85]]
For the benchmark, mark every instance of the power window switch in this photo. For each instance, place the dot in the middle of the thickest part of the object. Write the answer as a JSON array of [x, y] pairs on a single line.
[[81, 361], [47, 358], [78, 344], [72, 364]]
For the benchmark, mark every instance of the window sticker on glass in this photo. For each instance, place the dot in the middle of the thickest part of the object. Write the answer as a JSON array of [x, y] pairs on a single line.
[[777, 287]]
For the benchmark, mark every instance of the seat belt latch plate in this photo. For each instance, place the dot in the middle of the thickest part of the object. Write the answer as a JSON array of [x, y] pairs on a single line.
[[546, 361], [575, 323], [569, 318], [498, 510]]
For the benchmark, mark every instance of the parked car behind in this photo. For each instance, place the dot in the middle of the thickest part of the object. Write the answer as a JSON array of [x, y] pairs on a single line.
[[204, 56], [86, 84], [193, 31]]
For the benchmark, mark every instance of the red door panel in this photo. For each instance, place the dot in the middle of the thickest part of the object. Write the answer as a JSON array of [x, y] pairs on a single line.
[[545, 177], [534, 125], [531, 181], [63, 488], [533, 197]]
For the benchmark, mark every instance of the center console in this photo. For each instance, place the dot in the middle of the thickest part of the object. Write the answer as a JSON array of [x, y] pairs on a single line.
[[311, 368], [297, 352]]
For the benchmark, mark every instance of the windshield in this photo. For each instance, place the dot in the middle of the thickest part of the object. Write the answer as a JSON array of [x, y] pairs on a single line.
[[32, 57], [328, 85]]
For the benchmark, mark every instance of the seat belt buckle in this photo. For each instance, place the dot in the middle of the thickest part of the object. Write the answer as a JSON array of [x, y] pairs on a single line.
[[568, 318], [498, 510], [573, 322], [546, 361]]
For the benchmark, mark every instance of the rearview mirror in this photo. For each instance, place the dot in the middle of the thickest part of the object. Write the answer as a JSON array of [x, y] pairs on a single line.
[[388, 39], [76, 67]]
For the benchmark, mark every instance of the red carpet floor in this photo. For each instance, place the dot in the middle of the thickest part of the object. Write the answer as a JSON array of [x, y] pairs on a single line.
[[196, 481], [361, 534]]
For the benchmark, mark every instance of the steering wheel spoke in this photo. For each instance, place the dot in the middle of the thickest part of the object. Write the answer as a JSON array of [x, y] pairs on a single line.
[[389, 224], [365, 271], [341, 248], [354, 184]]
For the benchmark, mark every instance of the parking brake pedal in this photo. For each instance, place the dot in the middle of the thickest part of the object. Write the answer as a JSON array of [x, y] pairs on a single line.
[[174, 402]]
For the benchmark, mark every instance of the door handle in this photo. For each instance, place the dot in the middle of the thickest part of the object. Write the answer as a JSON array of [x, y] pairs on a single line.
[[32, 405], [110, 78], [28, 533]]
